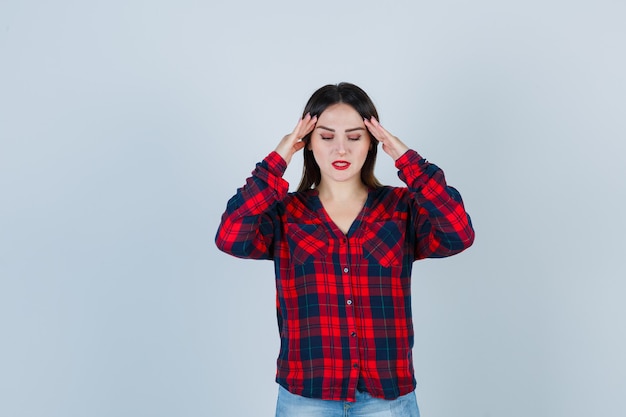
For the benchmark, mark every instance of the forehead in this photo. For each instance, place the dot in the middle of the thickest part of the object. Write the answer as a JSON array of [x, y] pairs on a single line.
[[340, 115]]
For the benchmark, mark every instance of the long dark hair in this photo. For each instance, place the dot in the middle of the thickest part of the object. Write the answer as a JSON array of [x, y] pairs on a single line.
[[322, 99]]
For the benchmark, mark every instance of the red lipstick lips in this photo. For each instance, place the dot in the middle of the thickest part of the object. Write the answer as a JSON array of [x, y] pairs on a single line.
[[341, 165]]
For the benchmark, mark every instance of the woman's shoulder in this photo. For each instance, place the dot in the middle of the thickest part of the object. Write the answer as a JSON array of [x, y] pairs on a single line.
[[301, 204], [389, 191], [389, 199], [301, 196]]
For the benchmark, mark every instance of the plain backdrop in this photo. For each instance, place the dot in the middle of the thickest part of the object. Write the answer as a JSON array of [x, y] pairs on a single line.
[[125, 126]]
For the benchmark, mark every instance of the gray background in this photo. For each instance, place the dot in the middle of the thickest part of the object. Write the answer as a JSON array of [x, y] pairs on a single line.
[[125, 126]]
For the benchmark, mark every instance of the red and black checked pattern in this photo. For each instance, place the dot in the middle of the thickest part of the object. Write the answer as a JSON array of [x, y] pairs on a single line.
[[344, 301]]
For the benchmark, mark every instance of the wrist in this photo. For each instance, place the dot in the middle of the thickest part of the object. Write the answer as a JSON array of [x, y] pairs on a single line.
[[400, 152], [284, 155], [276, 163]]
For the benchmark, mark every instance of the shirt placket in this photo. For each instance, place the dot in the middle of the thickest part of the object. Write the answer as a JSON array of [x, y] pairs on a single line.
[[347, 270]]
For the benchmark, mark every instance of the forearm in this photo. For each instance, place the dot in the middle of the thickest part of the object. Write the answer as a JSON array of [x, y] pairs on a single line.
[[441, 223], [246, 228]]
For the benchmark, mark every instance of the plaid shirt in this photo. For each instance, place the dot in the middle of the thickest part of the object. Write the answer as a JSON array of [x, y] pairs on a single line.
[[344, 300]]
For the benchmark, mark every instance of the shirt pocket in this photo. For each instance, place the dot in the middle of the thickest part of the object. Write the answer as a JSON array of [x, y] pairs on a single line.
[[382, 243], [307, 242]]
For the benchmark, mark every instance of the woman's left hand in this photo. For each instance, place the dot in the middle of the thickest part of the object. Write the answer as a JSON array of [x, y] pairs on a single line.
[[391, 144]]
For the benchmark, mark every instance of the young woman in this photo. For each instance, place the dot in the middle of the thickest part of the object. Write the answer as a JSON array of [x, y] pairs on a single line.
[[343, 247]]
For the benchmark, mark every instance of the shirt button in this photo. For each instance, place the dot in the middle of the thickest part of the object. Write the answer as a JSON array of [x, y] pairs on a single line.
[[356, 365], [345, 270], [353, 334], [349, 302]]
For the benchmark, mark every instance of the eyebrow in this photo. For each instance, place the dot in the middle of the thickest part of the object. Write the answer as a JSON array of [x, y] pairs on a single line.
[[347, 130]]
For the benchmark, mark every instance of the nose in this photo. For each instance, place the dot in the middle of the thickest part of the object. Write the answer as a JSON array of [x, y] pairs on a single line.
[[341, 147]]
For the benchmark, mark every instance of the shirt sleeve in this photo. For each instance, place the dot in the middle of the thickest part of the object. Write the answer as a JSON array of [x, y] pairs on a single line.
[[441, 224], [247, 226]]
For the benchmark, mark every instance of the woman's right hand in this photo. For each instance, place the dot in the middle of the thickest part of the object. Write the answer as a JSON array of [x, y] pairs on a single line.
[[292, 142]]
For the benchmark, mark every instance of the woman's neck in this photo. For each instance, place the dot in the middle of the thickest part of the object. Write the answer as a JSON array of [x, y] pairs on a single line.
[[342, 191]]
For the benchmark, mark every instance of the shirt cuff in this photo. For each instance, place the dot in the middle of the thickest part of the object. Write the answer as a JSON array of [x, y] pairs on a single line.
[[276, 164], [409, 158]]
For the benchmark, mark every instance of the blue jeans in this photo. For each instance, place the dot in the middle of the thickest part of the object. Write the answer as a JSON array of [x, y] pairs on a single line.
[[291, 405]]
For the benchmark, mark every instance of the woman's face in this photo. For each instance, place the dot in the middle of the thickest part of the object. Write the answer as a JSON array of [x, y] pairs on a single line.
[[340, 142]]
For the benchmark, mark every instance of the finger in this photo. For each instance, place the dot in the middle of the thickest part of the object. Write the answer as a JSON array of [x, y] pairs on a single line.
[[300, 123], [380, 127], [310, 125], [295, 136], [375, 129], [298, 145], [307, 125]]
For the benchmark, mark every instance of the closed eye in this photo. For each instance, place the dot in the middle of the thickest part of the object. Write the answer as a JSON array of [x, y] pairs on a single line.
[[354, 137], [326, 137]]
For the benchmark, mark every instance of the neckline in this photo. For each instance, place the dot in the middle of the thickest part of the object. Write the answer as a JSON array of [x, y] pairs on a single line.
[[354, 227]]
